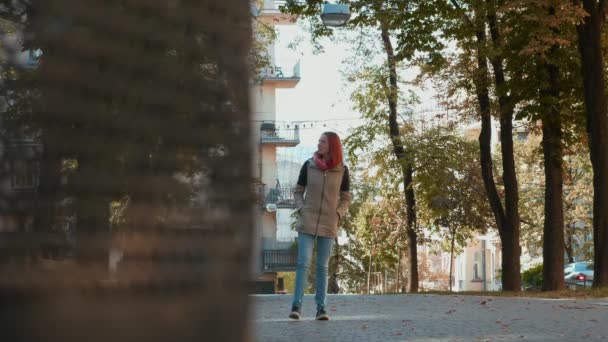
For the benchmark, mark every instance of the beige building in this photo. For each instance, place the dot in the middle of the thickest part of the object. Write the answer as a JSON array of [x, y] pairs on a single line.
[[478, 267], [271, 255]]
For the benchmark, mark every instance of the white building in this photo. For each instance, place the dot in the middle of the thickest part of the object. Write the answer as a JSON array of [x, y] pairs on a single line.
[[272, 255], [478, 267]]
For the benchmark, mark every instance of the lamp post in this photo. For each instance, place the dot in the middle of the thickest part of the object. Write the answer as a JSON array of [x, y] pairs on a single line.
[[335, 15]]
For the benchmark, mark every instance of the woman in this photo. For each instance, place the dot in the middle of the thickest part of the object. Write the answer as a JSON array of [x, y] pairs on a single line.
[[325, 180]]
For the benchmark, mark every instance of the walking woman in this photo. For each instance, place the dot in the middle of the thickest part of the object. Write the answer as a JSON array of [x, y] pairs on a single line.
[[322, 196]]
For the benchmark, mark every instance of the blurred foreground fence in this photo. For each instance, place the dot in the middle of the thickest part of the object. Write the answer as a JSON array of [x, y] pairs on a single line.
[[130, 220]]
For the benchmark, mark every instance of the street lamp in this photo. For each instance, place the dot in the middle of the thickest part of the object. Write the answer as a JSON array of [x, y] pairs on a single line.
[[335, 15]]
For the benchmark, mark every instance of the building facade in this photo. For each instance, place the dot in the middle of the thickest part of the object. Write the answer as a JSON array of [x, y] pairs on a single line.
[[271, 254]]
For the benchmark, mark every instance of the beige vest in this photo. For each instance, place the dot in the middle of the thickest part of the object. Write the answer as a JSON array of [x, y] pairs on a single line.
[[321, 204]]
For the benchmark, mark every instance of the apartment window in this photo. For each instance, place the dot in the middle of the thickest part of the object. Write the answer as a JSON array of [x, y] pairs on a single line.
[[25, 175], [522, 136], [477, 266]]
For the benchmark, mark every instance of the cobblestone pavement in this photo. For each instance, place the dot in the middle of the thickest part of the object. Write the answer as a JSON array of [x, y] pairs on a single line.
[[431, 318]]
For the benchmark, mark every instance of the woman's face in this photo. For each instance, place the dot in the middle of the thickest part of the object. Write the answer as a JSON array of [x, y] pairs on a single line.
[[323, 145]]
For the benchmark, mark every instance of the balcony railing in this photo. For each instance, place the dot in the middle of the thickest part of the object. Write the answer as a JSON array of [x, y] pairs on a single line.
[[280, 71], [281, 196], [279, 260], [284, 137], [273, 5]]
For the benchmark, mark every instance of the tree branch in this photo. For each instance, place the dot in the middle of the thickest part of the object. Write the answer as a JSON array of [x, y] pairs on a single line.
[[466, 17]]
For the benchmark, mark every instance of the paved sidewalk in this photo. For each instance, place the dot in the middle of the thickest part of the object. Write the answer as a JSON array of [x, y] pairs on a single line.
[[432, 318]]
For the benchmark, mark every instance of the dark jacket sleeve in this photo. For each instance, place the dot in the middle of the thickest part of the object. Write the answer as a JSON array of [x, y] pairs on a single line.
[[345, 186], [298, 193], [345, 194], [303, 178]]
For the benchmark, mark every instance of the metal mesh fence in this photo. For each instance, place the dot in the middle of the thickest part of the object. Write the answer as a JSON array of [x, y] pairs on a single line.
[[127, 216]]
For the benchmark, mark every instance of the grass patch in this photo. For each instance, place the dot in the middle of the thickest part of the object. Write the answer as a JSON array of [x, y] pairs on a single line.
[[580, 293]]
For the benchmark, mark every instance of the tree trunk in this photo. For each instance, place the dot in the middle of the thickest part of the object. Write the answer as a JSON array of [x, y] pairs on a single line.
[[398, 270], [93, 217], [568, 244], [406, 165], [510, 229], [452, 258], [594, 88], [553, 232], [485, 148], [412, 235], [45, 208]]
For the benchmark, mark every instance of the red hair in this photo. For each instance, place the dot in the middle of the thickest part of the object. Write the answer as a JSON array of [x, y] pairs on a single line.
[[335, 148]]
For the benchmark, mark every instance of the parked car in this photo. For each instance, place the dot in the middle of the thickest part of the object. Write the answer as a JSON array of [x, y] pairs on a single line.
[[578, 274]]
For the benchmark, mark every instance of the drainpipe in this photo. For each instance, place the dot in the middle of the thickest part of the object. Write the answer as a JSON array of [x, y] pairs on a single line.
[[369, 270], [483, 263], [261, 156]]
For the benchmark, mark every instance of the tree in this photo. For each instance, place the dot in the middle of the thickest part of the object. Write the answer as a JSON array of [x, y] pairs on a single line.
[[539, 47], [524, 51], [589, 32], [470, 22], [578, 197], [389, 17], [450, 188], [448, 183]]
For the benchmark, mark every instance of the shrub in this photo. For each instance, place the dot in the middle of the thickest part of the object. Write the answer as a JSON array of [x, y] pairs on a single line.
[[533, 277]]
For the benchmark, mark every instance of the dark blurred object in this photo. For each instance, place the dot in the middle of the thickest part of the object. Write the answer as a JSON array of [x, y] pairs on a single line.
[[139, 224]]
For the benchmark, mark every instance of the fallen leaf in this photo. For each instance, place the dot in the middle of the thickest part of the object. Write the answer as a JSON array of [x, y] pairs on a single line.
[[593, 320], [333, 308], [450, 311], [364, 326], [483, 303]]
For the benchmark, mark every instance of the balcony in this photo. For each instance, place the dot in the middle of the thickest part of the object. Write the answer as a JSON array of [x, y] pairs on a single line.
[[270, 13], [286, 137], [279, 260], [282, 197], [282, 75]]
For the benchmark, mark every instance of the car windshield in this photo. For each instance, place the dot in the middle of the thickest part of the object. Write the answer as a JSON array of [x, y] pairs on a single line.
[[583, 267]]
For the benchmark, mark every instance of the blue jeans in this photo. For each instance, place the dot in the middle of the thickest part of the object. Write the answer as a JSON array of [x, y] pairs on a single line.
[[305, 246]]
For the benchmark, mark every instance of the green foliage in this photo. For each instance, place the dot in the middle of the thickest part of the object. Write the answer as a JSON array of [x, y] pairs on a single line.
[[451, 195], [533, 277], [289, 279], [577, 198]]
